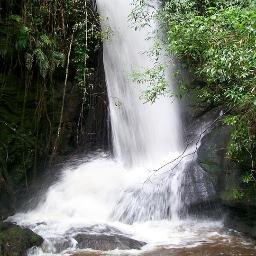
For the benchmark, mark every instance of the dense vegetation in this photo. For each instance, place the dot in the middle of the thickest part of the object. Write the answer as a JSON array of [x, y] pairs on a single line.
[[45, 49], [216, 42]]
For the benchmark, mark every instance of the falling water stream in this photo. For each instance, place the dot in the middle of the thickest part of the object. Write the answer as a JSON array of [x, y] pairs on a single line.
[[123, 194]]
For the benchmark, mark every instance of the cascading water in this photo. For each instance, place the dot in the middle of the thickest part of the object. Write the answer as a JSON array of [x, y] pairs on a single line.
[[142, 133], [123, 195]]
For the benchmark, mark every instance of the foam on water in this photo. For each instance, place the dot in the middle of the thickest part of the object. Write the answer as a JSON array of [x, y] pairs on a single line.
[[85, 198]]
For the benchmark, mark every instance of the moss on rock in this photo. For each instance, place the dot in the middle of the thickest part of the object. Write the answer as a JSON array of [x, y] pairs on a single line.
[[15, 240]]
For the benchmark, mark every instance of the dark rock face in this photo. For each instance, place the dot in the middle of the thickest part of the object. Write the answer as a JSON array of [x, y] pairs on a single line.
[[96, 118], [6, 197], [242, 219], [107, 242], [219, 173], [217, 170], [196, 189], [211, 157], [15, 240], [203, 175], [223, 173]]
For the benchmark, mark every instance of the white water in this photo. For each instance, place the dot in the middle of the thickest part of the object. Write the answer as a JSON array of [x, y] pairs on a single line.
[[142, 133], [124, 192]]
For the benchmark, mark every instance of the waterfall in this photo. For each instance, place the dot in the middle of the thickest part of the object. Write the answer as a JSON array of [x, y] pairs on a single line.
[[125, 191], [142, 133]]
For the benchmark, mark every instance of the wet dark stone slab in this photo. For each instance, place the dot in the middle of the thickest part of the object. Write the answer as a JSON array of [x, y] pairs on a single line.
[[107, 242]]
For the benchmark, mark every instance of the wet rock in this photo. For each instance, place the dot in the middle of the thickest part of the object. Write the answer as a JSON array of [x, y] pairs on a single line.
[[107, 242], [242, 219], [226, 178], [97, 228], [224, 174], [57, 245], [196, 191], [15, 240], [211, 153]]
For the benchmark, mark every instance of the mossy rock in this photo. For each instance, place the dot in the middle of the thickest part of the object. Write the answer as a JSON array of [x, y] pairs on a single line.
[[15, 240]]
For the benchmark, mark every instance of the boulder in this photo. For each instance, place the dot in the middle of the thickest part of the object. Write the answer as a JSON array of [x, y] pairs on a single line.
[[16, 240], [197, 192], [224, 174], [107, 242], [226, 178], [211, 154]]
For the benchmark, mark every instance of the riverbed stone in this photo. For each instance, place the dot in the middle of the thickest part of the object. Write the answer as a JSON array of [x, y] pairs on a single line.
[[107, 242]]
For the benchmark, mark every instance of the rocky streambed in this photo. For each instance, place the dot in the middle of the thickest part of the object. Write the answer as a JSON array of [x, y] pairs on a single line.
[[108, 241], [203, 250], [231, 246]]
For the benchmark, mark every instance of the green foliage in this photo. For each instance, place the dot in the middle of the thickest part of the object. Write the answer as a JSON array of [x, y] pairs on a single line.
[[150, 76], [238, 194], [34, 44], [216, 42]]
